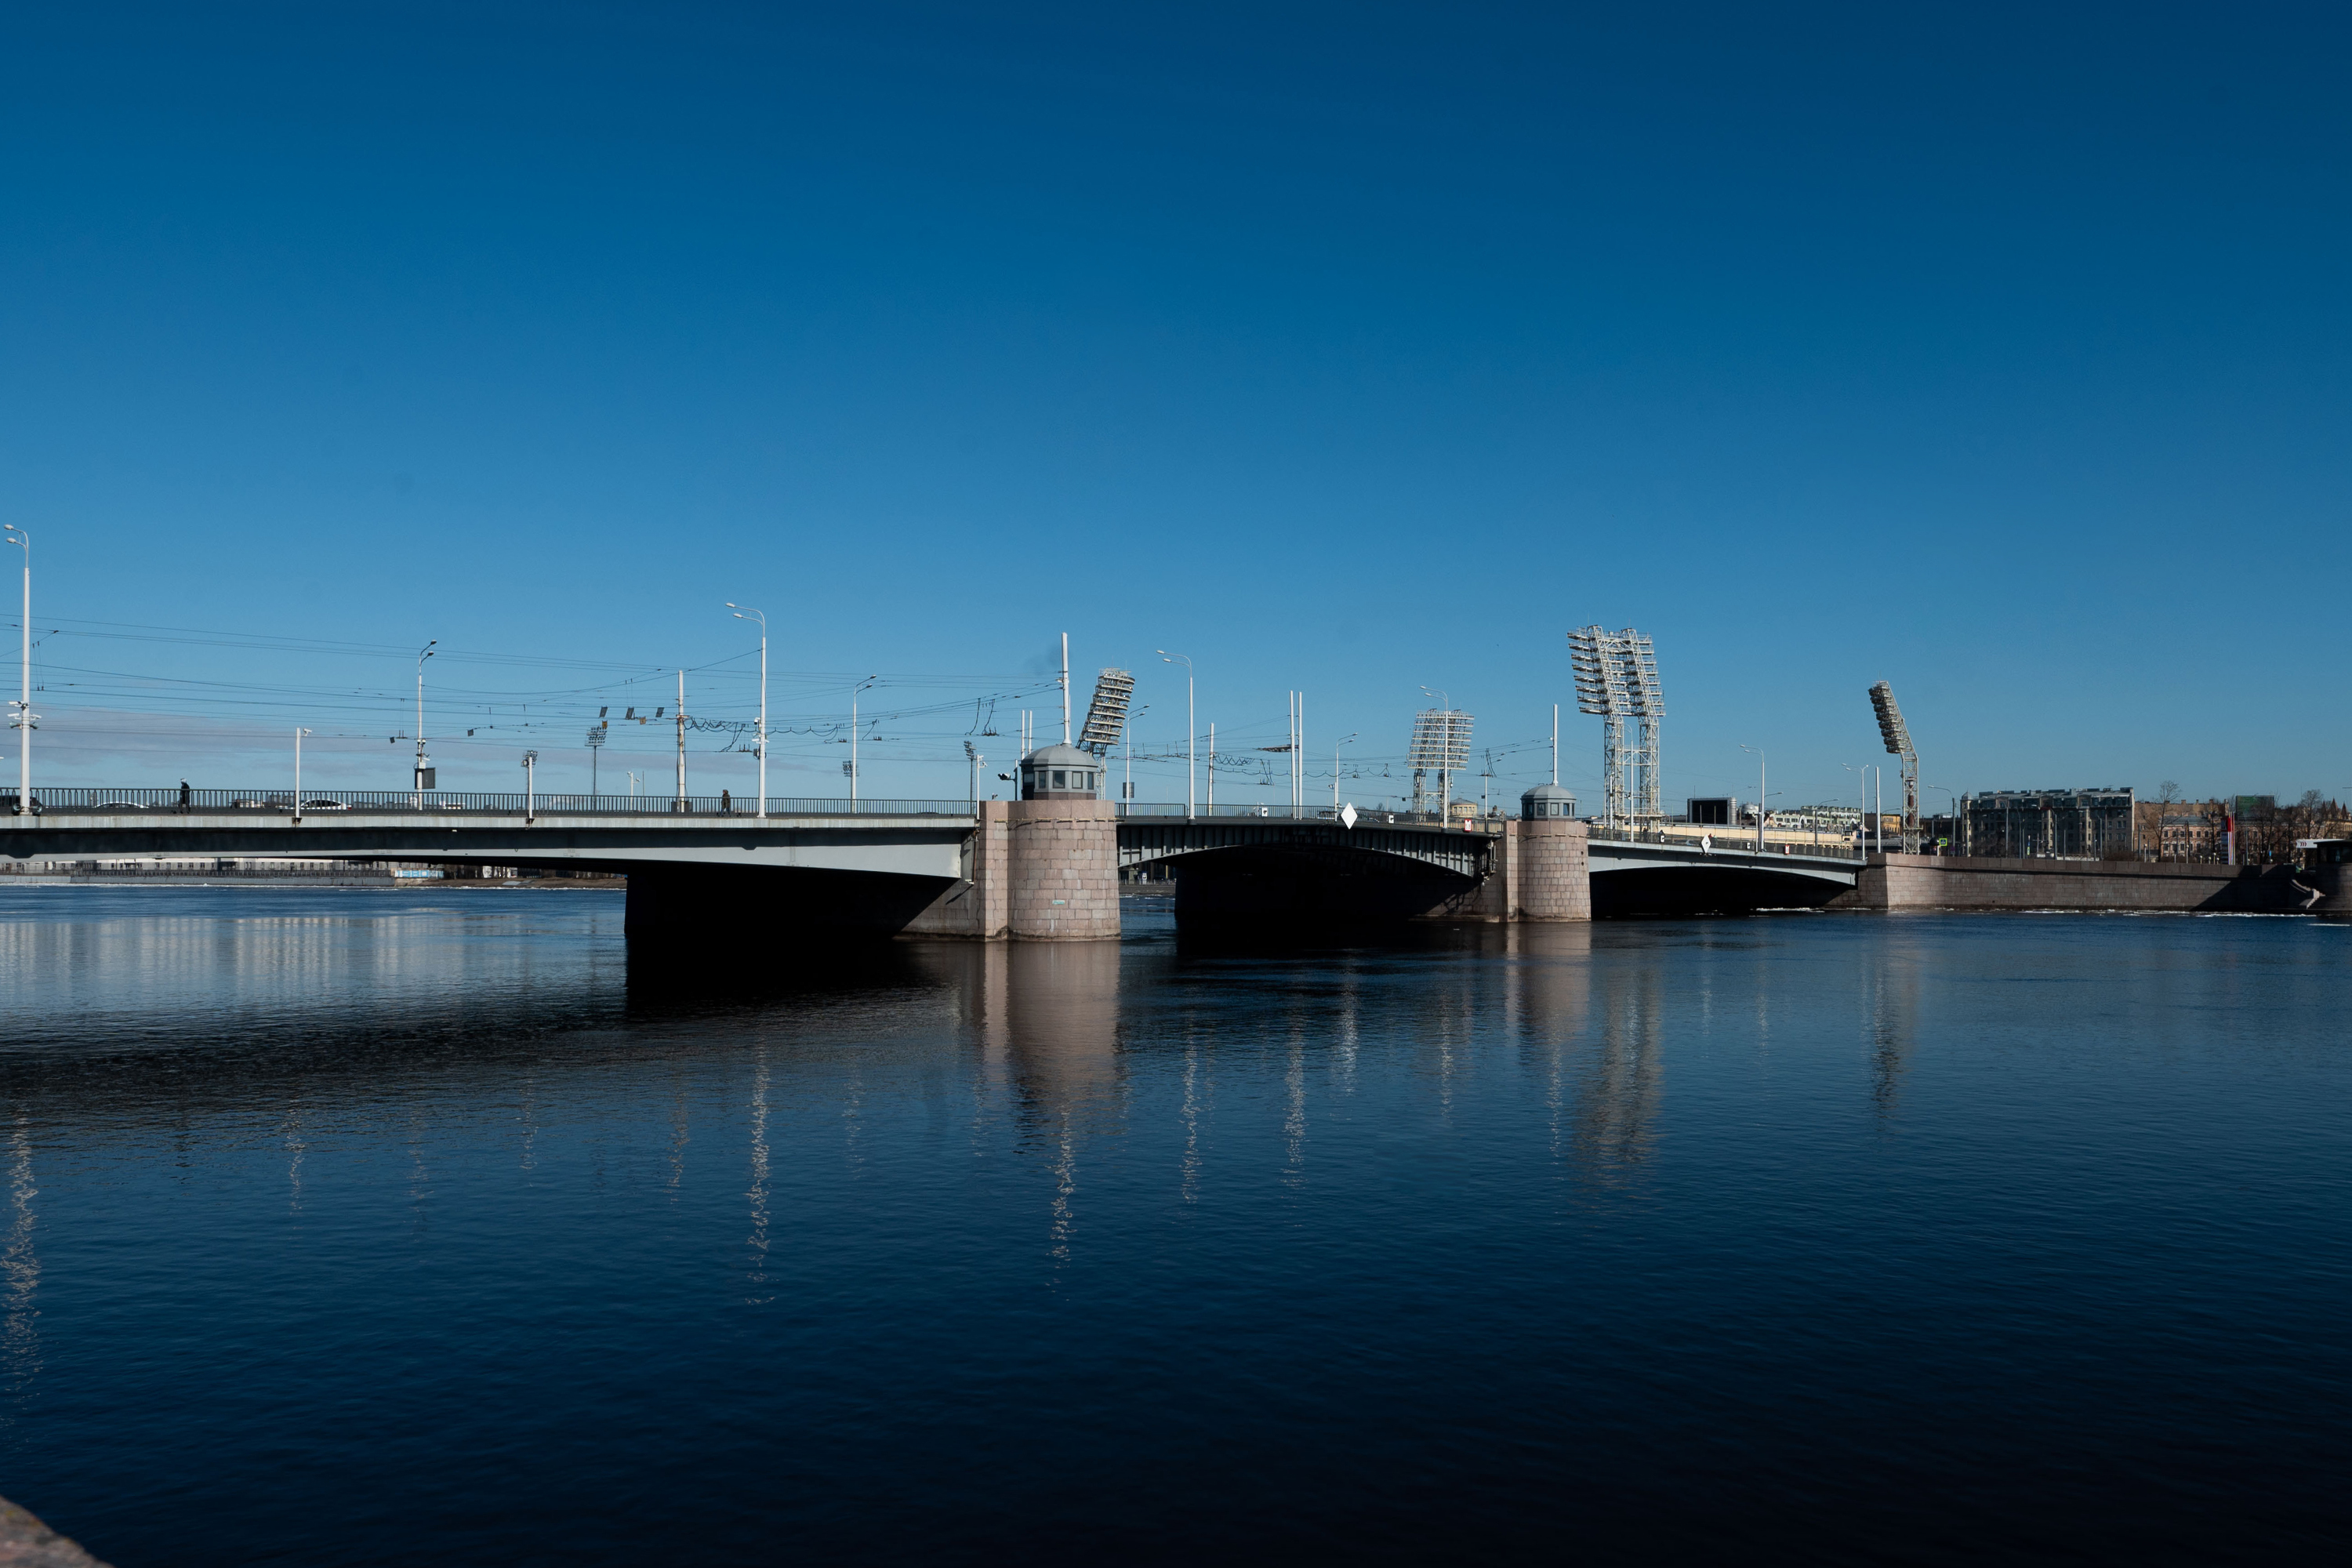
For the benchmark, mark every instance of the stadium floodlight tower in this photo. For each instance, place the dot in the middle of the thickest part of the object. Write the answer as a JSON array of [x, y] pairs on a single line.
[[1617, 680], [1600, 691], [1106, 712], [1892, 730], [1441, 744], [1644, 789]]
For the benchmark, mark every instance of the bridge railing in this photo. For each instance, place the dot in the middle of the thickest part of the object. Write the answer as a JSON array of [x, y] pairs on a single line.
[[1730, 841], [108, 800], [1284, 812]]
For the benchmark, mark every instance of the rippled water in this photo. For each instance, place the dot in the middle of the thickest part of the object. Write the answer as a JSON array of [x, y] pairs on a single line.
[[381, 1227]]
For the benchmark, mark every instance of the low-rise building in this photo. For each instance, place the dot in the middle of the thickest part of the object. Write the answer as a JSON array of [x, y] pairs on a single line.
[[2069, 824]]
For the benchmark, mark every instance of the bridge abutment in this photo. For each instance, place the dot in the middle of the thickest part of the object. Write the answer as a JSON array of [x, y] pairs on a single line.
[[1062, 870], [1551, 871]]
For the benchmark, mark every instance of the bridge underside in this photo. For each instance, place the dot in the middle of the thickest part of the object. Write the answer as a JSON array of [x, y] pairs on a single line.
[[1666, 890], [1282, 889], [702, 906]]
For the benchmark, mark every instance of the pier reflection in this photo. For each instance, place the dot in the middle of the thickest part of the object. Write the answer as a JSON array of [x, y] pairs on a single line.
[[20, 1274], [1617, 1104]]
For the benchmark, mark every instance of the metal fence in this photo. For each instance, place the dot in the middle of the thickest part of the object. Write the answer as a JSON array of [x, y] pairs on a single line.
[[106, 800], [1730, 841], [1286, 811]]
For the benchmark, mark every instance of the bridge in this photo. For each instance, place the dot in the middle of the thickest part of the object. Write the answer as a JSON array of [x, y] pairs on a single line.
[[1034, 868]]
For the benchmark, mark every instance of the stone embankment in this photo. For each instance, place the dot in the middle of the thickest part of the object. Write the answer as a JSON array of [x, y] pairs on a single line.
[[26, 1542], [1986, 883]]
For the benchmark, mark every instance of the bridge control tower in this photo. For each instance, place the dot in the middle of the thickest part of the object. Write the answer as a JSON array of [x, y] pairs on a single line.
[[1061, 773], [1061, 841]]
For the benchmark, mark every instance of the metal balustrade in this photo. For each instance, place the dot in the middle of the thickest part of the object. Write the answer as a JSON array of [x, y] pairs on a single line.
[[103, 800], [1732, 840]]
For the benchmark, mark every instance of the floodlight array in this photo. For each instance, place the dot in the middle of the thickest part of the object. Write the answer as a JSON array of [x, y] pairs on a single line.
[[1891, 727], [1106, 712], [1441, 740]]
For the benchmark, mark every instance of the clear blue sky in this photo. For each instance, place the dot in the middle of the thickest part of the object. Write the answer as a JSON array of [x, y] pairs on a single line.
[[2001, 353]]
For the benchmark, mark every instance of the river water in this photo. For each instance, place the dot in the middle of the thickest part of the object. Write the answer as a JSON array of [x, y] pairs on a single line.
[[348, 1227]]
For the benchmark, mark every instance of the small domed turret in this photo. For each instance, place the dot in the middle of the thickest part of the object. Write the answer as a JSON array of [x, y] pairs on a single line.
[[1547, 802], [1061, 773]]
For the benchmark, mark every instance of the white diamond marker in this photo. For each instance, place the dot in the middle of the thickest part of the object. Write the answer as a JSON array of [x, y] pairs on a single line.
[[1347, 814]]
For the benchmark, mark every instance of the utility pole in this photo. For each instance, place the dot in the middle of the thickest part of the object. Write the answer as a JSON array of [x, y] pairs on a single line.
[[761, 748], [852, 739], [1192, 733], [1760, 797], [425, 779], [1126, 792], [1335, 769], [680, 802], [530, 788], [1213, 768], [298, 775], [975, 758], [27, 719], [1065, 689]]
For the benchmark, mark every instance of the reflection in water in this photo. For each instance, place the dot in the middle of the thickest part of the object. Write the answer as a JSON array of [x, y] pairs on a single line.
[[296, 1146], [1891, 1001], [1616, 1124], [1549, 976], [998, 1276], [1062, 1030], [20, 1270], [759, 1192], [1189, 1113]]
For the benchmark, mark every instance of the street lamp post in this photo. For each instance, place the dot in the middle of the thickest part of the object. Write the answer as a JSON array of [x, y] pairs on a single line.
[[25, 721], [1760, 797], [762, 749], [852, 739], [1861, 808], [530, 787], [1445, 771], [1191, 744], [298, 775], [1127, 789], [422, 762], [1335, 769]]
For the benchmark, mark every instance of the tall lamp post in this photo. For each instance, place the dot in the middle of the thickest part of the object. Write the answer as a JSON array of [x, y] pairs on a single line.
[[1760, 797], [852, 739], [1862, 822], [1335, 769], [530, 787], [26, 718], [762, 749], [298, 775], [1445, 773], [1127, 789], [1192, 740], [424, 764]]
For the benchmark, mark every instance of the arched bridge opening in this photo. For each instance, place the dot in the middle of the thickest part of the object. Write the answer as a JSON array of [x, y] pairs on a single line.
[[1274, 877]]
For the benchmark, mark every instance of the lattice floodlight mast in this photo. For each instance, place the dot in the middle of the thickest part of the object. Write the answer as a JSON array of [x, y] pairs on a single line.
[[1441, 744], [1644, 785], [1600, 690], [1106, 712], [1897, 736]]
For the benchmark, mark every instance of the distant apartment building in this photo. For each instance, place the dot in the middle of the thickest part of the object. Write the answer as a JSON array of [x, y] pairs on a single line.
[[2184, 830], [2071, 824]]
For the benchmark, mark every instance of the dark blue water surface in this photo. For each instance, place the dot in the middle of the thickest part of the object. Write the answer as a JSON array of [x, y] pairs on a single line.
[[352, 1227]]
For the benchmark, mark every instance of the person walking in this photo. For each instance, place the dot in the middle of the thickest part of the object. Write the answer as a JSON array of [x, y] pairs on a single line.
[[185, 797], [726, 802]]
